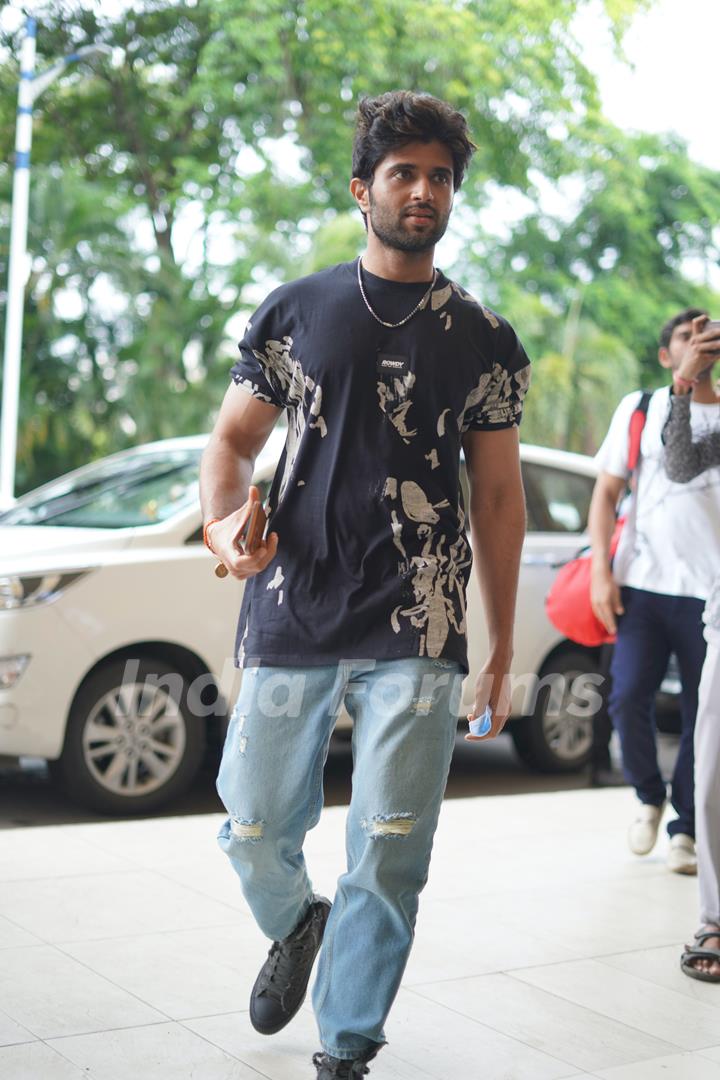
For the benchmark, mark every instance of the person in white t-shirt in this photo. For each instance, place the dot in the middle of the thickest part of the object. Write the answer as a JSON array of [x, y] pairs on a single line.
[[654, 594]]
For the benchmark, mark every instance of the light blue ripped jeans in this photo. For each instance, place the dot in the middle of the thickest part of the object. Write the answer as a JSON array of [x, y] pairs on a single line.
[[404, 716]]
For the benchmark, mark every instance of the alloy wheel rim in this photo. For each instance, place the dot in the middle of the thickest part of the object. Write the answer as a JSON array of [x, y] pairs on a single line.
[[134, 739], [568, 737]]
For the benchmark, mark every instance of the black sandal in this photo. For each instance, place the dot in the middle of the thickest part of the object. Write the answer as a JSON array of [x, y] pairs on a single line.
[[690, 955]]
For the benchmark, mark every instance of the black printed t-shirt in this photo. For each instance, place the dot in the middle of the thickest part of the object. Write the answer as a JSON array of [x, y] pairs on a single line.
[[373, 557]]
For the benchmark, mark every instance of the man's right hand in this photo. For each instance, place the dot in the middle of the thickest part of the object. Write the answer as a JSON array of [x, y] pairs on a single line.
[[702, 351], [225, 537], [605, 599]]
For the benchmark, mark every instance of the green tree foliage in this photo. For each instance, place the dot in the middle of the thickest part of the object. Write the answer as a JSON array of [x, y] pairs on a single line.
[[168, 192], [591, 291], [580, 372]]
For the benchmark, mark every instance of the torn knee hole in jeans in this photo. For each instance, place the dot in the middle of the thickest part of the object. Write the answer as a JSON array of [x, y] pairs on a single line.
[[389, 826], [247, 831], [242, 739]]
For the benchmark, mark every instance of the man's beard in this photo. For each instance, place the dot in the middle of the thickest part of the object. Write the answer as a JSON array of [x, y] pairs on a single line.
[[392, 234]]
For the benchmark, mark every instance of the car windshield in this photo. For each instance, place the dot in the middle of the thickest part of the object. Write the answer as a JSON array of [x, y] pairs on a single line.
[[140, 489]]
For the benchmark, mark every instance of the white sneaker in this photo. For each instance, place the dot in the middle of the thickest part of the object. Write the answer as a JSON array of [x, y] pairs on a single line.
[[643, 832], [682, 858]]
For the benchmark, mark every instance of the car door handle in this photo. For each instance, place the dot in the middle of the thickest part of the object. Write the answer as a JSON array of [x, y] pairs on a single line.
[[541, 560]]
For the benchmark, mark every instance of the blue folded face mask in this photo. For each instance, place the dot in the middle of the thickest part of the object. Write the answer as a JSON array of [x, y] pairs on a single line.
[[481, 725]]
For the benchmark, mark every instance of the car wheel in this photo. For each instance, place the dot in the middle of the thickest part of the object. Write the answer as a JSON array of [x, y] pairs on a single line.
[[557, 737], [132, 742]]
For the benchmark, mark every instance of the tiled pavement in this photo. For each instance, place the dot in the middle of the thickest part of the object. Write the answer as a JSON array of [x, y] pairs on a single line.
[[544, 950]]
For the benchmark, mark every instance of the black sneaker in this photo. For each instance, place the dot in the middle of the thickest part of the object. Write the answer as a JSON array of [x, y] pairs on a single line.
[[332, 1068], [280, 988]]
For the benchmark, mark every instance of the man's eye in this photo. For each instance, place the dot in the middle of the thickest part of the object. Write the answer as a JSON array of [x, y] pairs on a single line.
[[443, 178]]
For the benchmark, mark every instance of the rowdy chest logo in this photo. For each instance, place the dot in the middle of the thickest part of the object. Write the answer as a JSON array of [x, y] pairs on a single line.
[[389, 366]]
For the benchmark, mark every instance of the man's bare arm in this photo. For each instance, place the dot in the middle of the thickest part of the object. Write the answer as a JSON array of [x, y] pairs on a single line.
[[604, 590], [226, 495], [497, 523]]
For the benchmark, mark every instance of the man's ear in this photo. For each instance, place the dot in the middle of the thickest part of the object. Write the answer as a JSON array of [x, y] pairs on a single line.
[[664, 358], [360, 192]]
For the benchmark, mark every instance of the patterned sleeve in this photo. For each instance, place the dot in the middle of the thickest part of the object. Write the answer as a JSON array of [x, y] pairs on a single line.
[[685, 459], [497, 401], [264, 368]]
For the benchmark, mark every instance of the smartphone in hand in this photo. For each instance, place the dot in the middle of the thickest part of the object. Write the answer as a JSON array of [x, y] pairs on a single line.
[[712, 326]]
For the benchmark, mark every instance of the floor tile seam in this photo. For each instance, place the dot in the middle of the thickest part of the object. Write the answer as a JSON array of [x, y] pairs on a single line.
[[496, 1031], [58, 1053], [422, 1074], [602, 955], [217, 1046], [122, 990], [196, 891], [54, 878], [603, 959], [137, 868], [597, 1012], [23, 1027], [614, 1019], [219, 965], [67, 942], [51, 1042], [20, 1042], [586, 1008], [497, 971], [53, 1039], [649, 982], [580, 957], [213, 1015], [41, 943], [587, 885], [81, 841], [34, 831], [16, 924]]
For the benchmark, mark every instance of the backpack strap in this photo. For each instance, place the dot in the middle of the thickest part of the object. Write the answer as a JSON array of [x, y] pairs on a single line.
[[637, 425]]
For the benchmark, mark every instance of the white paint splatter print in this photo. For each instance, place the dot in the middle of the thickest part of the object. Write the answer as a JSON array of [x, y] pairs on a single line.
[[395, 402], [301, 395], [277, 580], [441, 422], [436, 574]]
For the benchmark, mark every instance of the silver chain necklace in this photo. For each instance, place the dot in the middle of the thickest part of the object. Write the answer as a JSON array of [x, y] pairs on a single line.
[[393, 325]]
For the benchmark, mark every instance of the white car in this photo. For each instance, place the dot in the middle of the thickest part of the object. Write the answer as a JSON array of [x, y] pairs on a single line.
[[116, 637]]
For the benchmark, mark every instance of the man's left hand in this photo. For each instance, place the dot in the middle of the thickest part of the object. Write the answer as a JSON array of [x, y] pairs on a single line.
[[493, 688]]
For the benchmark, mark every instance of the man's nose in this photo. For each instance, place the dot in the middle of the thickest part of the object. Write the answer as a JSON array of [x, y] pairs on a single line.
[[422, 189]]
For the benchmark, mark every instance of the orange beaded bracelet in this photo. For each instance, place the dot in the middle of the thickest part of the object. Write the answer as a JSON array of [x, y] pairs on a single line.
[[206, 538]]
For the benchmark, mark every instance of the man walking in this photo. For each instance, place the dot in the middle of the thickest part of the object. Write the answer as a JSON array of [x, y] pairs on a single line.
[[655, 593], [385, 370]]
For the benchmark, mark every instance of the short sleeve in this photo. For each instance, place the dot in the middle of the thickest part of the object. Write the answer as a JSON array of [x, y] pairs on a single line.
[[497, 401], [612, 457], [264, 368]]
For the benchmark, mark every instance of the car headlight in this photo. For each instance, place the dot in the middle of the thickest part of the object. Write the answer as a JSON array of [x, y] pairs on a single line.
[[11, 668], [18, 591]]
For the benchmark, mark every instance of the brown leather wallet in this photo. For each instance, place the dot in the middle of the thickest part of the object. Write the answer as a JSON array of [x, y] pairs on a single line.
[[254, 529], [249, 538]]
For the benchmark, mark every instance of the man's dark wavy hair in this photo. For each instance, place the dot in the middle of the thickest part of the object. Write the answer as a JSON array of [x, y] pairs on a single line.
[[677, 320], [401, 116]]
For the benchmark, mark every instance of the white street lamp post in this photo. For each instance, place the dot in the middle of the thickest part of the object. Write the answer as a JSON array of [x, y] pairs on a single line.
[[30, 88]]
